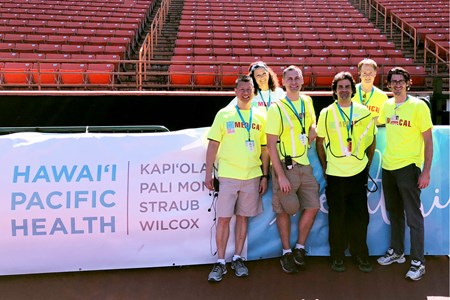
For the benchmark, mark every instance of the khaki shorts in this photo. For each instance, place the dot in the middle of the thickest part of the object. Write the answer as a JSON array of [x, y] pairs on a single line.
[[304, 190], [238, 197]]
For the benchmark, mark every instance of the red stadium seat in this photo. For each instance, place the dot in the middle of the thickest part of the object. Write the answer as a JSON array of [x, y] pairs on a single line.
[[261, 52], [339, 52], [16, 73], [229, 75], [70, 49], [281, 52], [241, 51], [100, 74], [222, 51], [323, 75], [205, 75], [22, 47], [374, 53], [183, 51], [45, 73], [338, 61], [307, 76], [31, 55], [93, 49], [78, 40], [418, 75], [180, 74], [72, 73], [115, 50]]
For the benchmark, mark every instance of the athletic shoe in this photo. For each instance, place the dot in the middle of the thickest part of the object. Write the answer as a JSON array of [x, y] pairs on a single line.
[[299, 256], [217, 272], [391, 257], [287, 263], [240, 270], [416, 271], [338, 265], [363, 265]]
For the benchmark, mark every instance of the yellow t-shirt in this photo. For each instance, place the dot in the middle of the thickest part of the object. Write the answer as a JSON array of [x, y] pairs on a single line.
[[282, 122], [373, 101], [333, 129], [234, 158], [404, 140], [263, 99]]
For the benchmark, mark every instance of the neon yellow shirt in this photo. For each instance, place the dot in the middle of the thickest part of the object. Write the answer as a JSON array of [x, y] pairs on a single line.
[[373, 101], [263, 99], [234, 158], [404, 140], [282, 122], [339, 163]]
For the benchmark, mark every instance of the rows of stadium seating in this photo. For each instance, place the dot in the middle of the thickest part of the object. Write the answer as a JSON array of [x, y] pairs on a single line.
[[430, 19], [319, 36], [32, 31]]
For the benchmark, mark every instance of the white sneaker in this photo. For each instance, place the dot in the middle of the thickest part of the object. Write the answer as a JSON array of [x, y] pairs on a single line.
[[416, 271], [391, 257]]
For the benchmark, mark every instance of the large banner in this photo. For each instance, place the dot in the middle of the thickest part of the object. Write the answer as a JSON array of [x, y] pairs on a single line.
[[72, 202]]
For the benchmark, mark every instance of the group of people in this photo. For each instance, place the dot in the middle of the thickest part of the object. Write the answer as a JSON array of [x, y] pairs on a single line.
[[266, 132]]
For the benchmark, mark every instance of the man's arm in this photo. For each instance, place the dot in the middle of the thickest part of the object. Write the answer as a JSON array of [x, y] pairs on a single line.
[[284, 183], [371, 150], [211, 153], [321, 154], [424, 178], [265, 169]]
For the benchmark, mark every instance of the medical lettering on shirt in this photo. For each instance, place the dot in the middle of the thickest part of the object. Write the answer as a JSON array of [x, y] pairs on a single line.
[[396, 119]]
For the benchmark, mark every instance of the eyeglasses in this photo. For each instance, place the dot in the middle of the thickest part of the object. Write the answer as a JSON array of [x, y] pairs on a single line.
[[398, 82]]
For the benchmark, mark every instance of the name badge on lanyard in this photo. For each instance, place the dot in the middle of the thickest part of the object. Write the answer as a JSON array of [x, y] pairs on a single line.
[[249, 143], [303, 138]]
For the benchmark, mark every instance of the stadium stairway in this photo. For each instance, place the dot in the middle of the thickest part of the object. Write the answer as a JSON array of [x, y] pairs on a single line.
[[165, 45]]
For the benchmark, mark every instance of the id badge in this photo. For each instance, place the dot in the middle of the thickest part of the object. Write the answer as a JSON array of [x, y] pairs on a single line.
[[394, 119], [349, 147], [250, 145], [346, 152], [303, 139]]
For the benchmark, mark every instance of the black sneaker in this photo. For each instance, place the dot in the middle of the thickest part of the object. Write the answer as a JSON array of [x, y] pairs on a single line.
[[287, 263], [363, 265], [299, 256], [338, 265]]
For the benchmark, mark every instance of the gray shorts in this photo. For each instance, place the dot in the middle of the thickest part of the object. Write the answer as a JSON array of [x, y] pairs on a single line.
[[238, 197], [304, 190]]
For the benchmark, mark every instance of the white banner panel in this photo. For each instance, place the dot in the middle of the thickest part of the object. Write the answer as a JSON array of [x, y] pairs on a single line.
[[103, 201]]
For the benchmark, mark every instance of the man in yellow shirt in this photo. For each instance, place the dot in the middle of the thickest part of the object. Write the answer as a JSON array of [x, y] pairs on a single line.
[[238, 143], [290, 128], [345, 146], [367, 93], [409, 145]]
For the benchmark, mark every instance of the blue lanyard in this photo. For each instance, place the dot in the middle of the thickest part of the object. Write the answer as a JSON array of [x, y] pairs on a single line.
[[360, 96], [349, 121], [246, 125], [262, 98], [296, 113], [396, 107]]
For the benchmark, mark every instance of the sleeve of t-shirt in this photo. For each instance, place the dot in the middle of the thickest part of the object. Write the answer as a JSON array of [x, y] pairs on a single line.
[[215, 132], [233, 102], [382, 116], [424, 117]]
